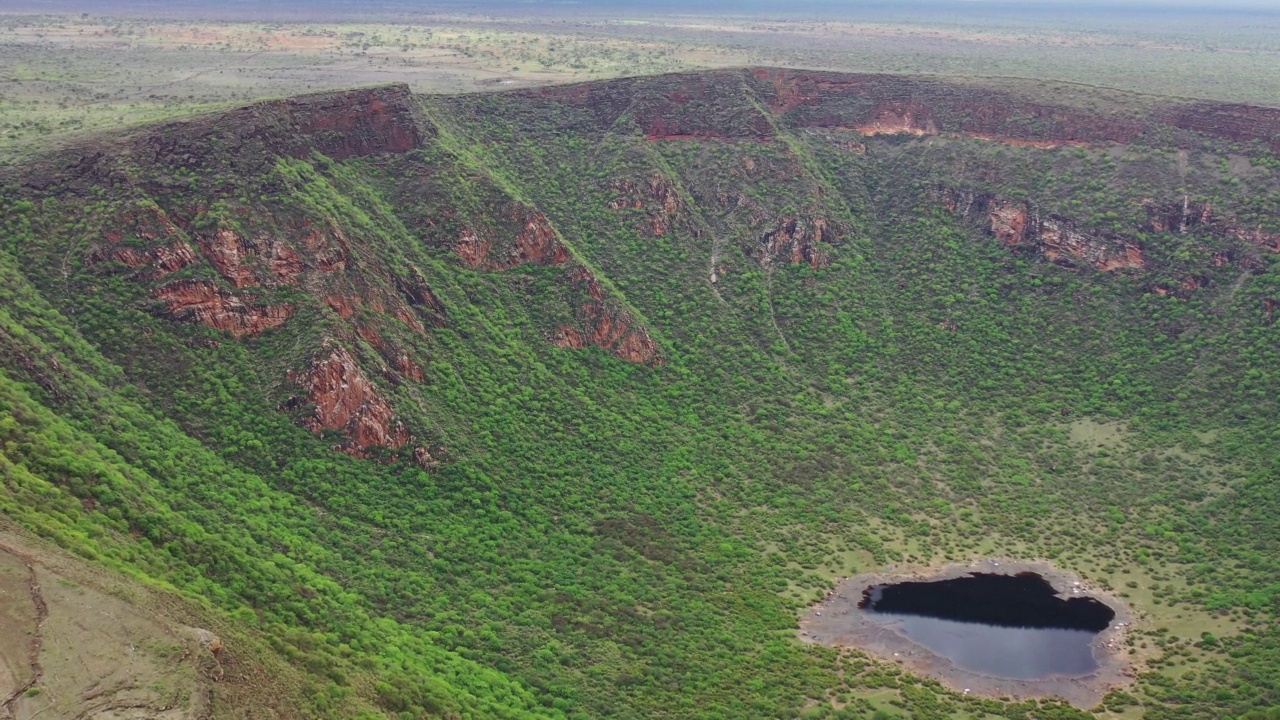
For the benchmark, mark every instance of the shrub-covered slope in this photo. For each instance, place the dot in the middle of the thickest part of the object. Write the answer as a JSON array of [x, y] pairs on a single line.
[[561, 403]]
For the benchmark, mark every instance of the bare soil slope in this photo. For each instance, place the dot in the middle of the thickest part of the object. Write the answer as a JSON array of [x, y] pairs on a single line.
[[79, 642]]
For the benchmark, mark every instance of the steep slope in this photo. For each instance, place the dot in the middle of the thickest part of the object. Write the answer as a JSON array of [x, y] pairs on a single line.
[[559, 403], [157, 658]]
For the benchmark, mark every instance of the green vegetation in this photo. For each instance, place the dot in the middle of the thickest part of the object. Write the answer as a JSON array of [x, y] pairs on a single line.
[[608, 539], [65, 74]]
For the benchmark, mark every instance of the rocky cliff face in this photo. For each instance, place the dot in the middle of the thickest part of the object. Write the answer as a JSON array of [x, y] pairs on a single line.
[[521, 236], [657, 196], [1186, 215], [711, 105], [1256, 236], [160, 261], [227, 251], [199, 301], [704, 105], [796, 240], [883, 104], [341, 125], [896, 118], [266, 260], [240, 278], [421, 297], [1177, 216], [1018, 225], [346, 401], [354, 124], [606, 325], [149, 226], [534, 243], [245, 141], [1239, 123], [207, 257]]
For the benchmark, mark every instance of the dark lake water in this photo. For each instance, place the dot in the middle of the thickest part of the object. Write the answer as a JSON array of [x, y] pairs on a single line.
[[1011, 626]]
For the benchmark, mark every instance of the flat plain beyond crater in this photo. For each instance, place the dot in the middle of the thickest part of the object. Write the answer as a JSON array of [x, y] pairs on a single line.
[[838, 621]]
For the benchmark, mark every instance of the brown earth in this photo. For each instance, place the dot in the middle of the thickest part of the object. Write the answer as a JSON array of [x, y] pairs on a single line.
[[81, 642]]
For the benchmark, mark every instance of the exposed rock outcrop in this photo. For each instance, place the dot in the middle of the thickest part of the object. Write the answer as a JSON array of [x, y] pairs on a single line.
[[346, 401], [201, 301], [534, 243], [148, 225], [473, 247], [567, 337], [796, 240], [1179, 216], [606, 325], [1062, 242], [657, 195], [603, 323], [356, 123], [247, 140], [160, 261], [708, 104], [341, 125], [235, 258], [330, 251], [346, 307], [886, 104], [1238, 123], [1182, 289], [612, 328], [1019, 225], [1187, 214], [407, 367], [900, 119], [227, 252], [1256, 236], [425, 459], [422, 298]]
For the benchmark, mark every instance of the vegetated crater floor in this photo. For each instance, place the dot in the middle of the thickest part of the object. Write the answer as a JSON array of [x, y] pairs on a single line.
[[1078, 664]]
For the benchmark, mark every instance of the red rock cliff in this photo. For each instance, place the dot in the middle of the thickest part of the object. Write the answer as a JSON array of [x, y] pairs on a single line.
[[345, 400], [1017, 225], [534, 243], [888, 104], [1238, 123], [200, 301], [606, 325]]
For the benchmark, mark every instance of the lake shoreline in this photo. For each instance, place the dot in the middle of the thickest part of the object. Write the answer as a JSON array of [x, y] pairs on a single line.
[[836, 621]]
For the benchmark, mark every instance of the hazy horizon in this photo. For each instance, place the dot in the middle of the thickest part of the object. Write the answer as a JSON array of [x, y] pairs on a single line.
[[814, 8]]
